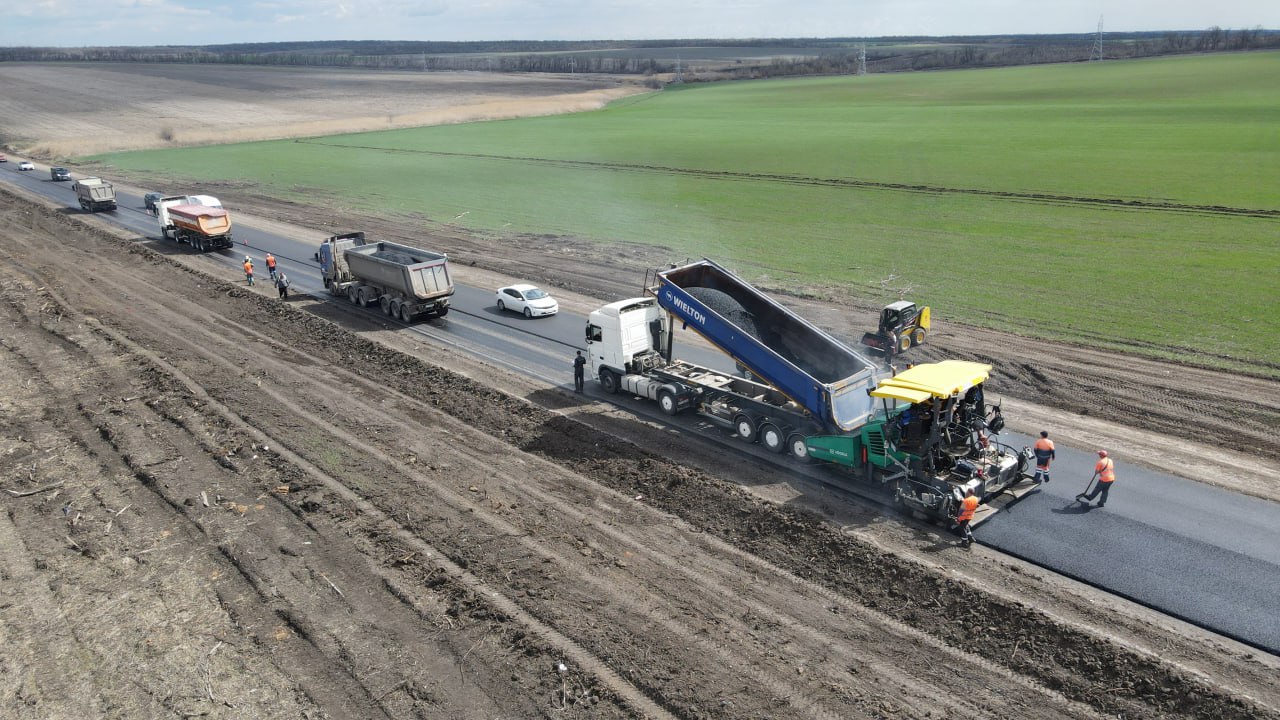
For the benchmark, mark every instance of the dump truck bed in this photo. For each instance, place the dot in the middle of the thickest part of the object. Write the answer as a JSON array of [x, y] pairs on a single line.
[[823, 375], [417, 273], [198, 218]]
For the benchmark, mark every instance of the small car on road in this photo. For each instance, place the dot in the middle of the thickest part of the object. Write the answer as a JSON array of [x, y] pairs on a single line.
[[150, 200], [25, 165], [59, 173], [527, 299], [3, 158]]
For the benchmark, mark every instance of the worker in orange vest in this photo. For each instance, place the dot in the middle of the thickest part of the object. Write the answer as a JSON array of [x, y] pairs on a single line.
[[248, 269], [1105, 472], [968, 507], [271, 266], [1044, 453]]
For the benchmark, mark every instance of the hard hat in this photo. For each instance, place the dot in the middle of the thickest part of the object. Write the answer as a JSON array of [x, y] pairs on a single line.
[[246, 258], [1102, 453]]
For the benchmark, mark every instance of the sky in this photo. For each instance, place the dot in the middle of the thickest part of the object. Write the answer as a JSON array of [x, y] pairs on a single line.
[[78, 23]]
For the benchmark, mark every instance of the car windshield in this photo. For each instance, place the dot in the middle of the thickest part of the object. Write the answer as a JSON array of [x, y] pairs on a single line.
[[534, 294]]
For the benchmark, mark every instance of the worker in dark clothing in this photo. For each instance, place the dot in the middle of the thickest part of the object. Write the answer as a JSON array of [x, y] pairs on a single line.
[[282, 284], [968, 507], [1105, 473], [579, 372], [1044, 454]]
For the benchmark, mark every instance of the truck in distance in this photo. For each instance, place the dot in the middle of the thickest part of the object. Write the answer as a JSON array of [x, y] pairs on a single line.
[[95, 194], [198, 220], [406, 282]]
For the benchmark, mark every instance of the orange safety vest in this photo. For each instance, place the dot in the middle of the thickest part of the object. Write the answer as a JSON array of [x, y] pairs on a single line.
[[1044, 451], [271, 261], [967, 508], [1106, 469], [248, 268]]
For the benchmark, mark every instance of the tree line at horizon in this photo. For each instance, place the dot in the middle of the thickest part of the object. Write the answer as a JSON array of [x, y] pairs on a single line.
[[694, 60]]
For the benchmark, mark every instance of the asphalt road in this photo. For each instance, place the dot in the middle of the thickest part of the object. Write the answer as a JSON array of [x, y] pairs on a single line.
[[1200, 553]]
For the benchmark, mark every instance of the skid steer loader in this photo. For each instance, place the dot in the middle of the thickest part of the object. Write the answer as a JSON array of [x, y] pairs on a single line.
[[902, 327]]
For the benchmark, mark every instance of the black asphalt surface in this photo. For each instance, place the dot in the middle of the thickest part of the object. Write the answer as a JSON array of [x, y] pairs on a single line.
[[1200, 553]]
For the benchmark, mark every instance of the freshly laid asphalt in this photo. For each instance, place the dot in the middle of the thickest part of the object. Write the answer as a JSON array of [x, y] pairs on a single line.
[[1194, 551], [1197, 552]]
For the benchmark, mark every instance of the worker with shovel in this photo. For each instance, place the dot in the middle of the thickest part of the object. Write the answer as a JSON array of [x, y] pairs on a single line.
[[1105, 473]]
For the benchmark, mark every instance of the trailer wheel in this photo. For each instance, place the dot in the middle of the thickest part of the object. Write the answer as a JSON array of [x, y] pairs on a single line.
[[405, 315], [351, 295], [610, 381], [745, 428], [917, 336], [394, 308], [667, 401], [384, 302], [796, 444], [772, 438], [442, 311]]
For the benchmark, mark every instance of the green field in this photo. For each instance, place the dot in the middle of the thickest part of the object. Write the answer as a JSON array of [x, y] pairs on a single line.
[[778, 180]]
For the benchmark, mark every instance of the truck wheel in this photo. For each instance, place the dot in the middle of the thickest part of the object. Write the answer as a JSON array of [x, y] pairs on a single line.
[[917, 336], [772, 438], [796, 444], [610, 381], [351, 295], [385, 303], [745, 428], [442, 311], [405, 315], [667, 401]]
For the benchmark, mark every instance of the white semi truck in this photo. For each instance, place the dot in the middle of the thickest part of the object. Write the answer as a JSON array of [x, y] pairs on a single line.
[[198, 220]]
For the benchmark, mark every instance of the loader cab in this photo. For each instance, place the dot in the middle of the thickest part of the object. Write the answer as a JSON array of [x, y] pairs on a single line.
[[897, 315]]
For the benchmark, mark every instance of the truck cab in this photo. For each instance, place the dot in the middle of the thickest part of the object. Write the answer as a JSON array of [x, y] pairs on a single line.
[[626, 337]]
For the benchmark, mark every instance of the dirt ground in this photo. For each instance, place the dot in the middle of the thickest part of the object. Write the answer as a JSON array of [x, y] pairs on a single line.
[[61, 110], [221, 505]]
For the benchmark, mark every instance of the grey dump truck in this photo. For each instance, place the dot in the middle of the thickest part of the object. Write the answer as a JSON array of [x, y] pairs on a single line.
[[95, 194], [406, 282]]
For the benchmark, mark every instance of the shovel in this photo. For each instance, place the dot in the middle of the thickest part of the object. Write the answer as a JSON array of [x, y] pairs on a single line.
[[1080, 497]]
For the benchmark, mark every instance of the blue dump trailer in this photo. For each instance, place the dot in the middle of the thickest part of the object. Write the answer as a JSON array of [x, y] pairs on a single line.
[[822, 375], [924, 436]]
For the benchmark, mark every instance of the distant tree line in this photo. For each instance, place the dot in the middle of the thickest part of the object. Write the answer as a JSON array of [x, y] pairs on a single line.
[[804, 56]]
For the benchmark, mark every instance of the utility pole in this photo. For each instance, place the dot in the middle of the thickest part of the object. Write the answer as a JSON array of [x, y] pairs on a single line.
[[1095, 54]]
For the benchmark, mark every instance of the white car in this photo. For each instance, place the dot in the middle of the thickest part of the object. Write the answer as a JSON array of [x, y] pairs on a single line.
[[24, 165], [527, 299]]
